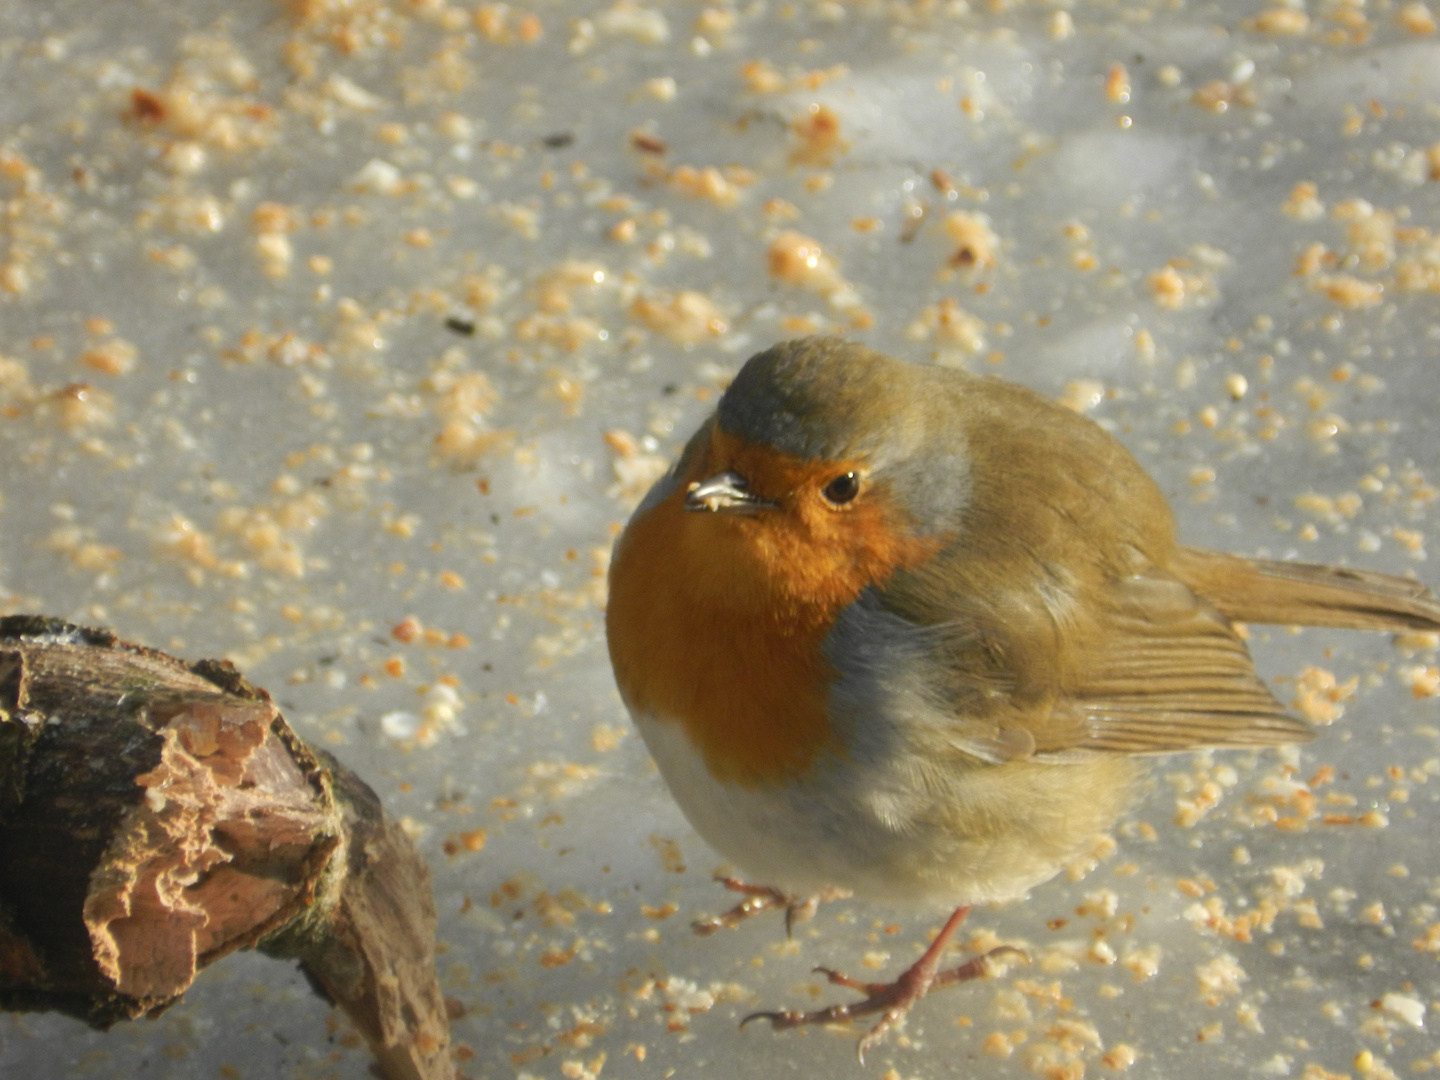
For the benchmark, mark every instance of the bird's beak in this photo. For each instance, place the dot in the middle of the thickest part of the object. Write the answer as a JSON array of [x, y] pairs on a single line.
[[725, 492]]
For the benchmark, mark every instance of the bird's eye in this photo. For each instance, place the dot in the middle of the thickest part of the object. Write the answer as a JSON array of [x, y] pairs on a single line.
[[842, 489]]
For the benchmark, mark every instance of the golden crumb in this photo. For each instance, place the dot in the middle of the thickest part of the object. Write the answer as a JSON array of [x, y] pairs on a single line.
[[817, 136], [606, 737], [628, 19], [113, 357], [762, 77], [1120, 1056], [1349, 291], [709, 183], [1319, 697], [1303, 203], [947, 323], [998, 1044], [1423, 681], [1416, 18], [1082, 395], [1117, 85], [797, 259], [1143, 962], [685, 317], [1216, 96], [976, 245], [1281, 20], [1181, 284], [80, 407], [1371, 233]]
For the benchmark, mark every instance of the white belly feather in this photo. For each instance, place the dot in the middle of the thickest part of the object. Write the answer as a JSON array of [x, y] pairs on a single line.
[[847, 825]]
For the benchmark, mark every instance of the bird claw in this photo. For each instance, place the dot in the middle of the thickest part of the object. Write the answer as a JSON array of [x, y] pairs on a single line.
[[759, 899], [798, 911], [777, 1019], [839, 978], [876, 1035], [785, 1019], [892, 1000]]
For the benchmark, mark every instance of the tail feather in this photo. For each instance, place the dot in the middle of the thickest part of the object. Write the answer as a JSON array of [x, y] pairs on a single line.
[[1305, 594]]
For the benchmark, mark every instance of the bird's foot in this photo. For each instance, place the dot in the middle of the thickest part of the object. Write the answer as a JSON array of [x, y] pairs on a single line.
[[761, 898], [892, 1000]]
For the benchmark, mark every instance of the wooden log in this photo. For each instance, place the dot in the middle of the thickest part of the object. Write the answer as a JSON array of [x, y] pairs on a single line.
[[156, 816]]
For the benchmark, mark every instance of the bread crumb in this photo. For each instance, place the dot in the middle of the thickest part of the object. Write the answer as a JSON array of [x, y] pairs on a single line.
[[627, 19], [947, 323], [1082, 395], [462, 401], [998, 1044], [1281, 20], [797, 259], [762, 77], [1423, 681], [113, 357], [709, 183], [1179, 285], [1117, 85], [1217, 95], [1416, 18], [1219, 978], [976, 245], [1120, 1057], [1143, 962], [1319, 697], [817, 132], [80, 407], [1407, 1008], [606, 737], [1303, 203], [684, 317]]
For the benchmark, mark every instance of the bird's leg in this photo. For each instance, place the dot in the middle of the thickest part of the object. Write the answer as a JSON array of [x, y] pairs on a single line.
[[759, 898], [894, 999]]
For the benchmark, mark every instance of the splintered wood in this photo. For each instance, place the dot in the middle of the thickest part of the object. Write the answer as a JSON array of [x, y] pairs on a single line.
[[157, 816]]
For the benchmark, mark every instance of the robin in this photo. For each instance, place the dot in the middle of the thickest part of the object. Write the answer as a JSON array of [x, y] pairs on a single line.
[[903, 632]]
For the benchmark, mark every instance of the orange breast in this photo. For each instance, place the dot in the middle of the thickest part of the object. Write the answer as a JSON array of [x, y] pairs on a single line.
[[717, 621], [750, 693]]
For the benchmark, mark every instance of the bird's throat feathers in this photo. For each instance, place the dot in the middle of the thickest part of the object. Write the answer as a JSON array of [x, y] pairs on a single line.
[[717, 621]]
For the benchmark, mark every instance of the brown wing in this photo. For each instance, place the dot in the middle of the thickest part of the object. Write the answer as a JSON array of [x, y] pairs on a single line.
[[1056, 629], [1055, 668], [1162, 670]]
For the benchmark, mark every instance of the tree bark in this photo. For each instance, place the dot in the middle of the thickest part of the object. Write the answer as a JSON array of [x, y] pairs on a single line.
[[156, 816]]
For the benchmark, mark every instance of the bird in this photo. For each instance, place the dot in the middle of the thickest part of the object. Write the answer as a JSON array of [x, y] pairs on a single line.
[[898, 631]]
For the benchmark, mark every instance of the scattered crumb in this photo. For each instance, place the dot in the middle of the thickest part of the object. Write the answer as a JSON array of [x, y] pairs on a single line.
[[684, 317], [976, 247], [1282, 20], [1082, 395], [817, 136], [1319, 697]]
